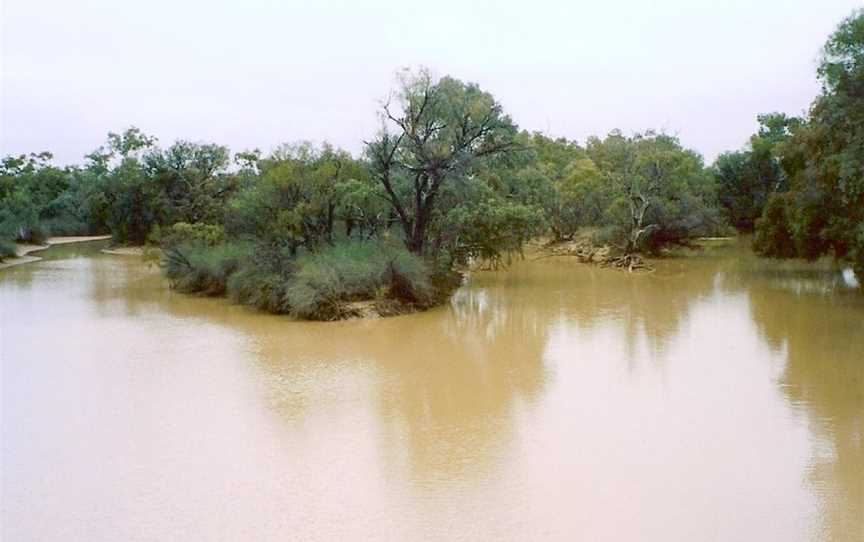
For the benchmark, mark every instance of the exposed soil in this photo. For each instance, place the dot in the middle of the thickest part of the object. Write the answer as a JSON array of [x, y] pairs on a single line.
[[586, 252]]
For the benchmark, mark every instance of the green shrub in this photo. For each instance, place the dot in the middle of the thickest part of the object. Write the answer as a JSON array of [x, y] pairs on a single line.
[[66, 226], [316, 285], [155, 235], [204, 269], [7, 250], [773, 235], [323, 281], [24, 228], [259, 288], [608, 235], [185, 233]]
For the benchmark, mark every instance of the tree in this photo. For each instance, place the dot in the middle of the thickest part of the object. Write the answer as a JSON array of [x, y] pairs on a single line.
[[297, 200], [193, 180], [117, 191], [653, 191], [824, 160], [37, 199], [442, 130], [746, 179]]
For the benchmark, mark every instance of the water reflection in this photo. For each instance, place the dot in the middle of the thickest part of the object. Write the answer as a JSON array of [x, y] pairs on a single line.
[[823, 377], [719, 397]]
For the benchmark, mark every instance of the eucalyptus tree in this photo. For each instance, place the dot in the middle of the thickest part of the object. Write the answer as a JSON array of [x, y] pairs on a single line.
[[435, 135], [824, 213], [746, 179], [654, 192], [193, 179]]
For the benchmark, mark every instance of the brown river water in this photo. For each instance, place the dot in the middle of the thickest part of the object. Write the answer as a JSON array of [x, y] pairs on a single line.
[[719, 398]]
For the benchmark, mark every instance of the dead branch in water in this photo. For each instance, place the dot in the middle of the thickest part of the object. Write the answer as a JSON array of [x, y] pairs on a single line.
[[605, 256]]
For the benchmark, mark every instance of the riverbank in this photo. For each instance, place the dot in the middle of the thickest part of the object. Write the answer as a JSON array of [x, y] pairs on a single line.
[[23, 251], [126, 251], [584, 249]]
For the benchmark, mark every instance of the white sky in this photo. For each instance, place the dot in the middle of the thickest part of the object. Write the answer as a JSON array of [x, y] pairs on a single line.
[[255, 73]]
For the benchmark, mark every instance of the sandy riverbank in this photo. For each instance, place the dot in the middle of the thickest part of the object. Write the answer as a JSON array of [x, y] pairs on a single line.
[[124, 251], [23, 250]]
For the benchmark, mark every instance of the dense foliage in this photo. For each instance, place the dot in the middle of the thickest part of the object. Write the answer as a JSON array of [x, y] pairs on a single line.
[[651, 191], [818, 159], [747, 179], [38, 199]]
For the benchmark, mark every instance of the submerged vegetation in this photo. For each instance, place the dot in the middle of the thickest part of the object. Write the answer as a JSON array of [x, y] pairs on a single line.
[[448, 181]]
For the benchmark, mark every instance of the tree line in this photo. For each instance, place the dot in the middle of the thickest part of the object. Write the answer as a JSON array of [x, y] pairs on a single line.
[[449, 178], [800, 183]]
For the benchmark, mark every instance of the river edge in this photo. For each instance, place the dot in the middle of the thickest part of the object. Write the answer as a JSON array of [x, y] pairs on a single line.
[[606, 256], [23, 250], [371, 309]]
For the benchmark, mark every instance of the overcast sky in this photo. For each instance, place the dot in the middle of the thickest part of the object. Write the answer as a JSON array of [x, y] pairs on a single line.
[[255, 73]]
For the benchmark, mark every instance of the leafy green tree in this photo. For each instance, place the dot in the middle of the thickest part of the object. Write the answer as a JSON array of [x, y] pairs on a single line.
[[653, 191], [297, 201], [774, 229], [38, 199], [746, 179], [192, 179], [824, 160], [556, 176], [441, 132], [118, 192]]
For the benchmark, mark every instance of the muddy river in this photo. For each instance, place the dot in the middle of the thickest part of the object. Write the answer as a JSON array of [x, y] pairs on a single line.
[[718, 398]]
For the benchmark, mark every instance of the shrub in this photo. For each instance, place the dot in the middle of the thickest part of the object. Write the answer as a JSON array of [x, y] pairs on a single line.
[[773, 232], [204, 269], [184, 233], [260, 288], [7, 249], [65, 226], [316, 285], [607, 235], [155, 235], [325, 280], [22, 224]]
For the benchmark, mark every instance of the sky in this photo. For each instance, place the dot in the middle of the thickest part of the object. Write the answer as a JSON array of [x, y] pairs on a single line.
[[257, 73]]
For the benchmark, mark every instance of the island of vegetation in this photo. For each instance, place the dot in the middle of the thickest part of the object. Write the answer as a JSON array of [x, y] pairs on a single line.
[[448, 181]]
